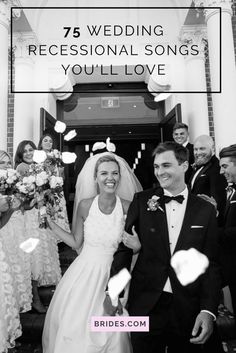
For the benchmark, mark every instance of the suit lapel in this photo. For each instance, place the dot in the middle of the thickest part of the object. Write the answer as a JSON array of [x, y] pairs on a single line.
[[203, 171], [187, 222], [161, 223], [227, 207]]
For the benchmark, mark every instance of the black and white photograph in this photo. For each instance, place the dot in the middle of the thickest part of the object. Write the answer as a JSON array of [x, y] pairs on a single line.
[[117, 176]]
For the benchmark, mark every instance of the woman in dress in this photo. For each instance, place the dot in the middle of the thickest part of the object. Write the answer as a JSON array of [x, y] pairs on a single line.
[[18, 260], [10, 327], [45, 266], [47, 143], [98, 231]]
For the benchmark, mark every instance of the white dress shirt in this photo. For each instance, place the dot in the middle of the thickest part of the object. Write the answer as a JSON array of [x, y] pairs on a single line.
[[175, 212]]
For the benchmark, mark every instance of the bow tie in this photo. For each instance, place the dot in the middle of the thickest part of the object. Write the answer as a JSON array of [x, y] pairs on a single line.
[[229, 190], [178, 198]]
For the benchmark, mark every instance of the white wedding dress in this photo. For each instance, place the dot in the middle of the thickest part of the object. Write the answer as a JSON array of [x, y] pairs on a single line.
[[81, 292]]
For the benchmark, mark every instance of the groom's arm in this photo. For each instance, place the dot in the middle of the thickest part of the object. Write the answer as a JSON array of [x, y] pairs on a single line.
[[123, 255]]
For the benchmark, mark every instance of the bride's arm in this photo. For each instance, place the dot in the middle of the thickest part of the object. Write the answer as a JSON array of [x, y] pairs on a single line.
[[73, 240]]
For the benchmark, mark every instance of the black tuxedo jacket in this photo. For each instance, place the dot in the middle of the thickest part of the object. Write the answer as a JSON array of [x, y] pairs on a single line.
[[152, 267], [189, 172], [210, 182], [228, 241]]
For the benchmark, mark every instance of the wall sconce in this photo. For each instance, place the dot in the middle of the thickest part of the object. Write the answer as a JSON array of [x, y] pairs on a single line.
[[86, 148], [139, 154], [136, 160], [143, 146]]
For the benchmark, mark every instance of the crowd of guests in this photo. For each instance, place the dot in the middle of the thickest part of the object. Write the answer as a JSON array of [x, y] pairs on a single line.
[[204, 218], [22, 273]]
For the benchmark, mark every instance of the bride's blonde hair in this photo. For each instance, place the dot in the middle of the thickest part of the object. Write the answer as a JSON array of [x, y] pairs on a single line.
[[106, 158]]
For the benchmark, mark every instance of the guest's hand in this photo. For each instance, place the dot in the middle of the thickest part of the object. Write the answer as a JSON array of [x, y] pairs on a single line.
[[4, 204], [15, 203], [28, 205], [203, 328], [132, 241]]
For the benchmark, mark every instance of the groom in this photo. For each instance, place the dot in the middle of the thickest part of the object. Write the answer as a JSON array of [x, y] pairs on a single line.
[[180, 317]]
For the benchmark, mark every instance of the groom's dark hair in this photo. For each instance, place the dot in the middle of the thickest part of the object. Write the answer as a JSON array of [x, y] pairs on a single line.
[[181, 153]]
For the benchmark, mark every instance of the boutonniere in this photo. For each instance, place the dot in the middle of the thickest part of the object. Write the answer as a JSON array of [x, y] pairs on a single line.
[[153, 204]]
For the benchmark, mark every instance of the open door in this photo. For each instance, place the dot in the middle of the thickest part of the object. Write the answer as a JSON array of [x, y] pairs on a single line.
[[47, 122], [175, 115]]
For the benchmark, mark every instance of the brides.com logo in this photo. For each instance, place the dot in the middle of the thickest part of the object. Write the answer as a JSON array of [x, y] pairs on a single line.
[[119, 323]]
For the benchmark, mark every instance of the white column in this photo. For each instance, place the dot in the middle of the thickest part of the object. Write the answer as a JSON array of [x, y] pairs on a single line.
[[197, 108], [24, 81], [224, 103]]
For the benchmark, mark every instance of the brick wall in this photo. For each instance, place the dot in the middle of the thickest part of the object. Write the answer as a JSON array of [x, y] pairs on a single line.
[[208, 79], [234, 25], [209, 97], [10, 108]]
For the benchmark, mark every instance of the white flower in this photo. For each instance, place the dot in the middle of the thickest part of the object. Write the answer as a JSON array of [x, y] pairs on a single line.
[[60, 127], [55, 181], [10, 180], [71, 134], [56, 153], [39, 156], [41, 178], [153, 204], [68, 157], [3, 173], [43, 211], [22, 188], [12, 173]]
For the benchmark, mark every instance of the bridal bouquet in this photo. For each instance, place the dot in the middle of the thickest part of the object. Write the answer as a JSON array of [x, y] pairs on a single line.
[[54, 159], [8, 180], [44, 189]]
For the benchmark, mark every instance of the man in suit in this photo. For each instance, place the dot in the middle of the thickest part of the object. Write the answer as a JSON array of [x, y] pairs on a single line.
[[181, 136], [228, 169], [181, 317], [206, 178]]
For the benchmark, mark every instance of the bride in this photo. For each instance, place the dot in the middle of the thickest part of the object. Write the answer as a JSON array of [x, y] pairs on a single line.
[[98, 228]]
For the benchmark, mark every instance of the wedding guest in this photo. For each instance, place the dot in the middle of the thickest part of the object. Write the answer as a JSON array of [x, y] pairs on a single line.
[[206, 178], [45, 266], [11, 239], [181, 136], [98, 231], [180, 317], [47, 143], [10, 327], [228, 169]]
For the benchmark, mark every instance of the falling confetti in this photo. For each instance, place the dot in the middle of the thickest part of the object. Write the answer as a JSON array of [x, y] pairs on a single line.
[[117, 283], [29, 245], [189, 265]]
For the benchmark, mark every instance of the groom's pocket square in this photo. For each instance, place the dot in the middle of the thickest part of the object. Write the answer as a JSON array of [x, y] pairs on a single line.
[[197, 227], [234, 201]]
